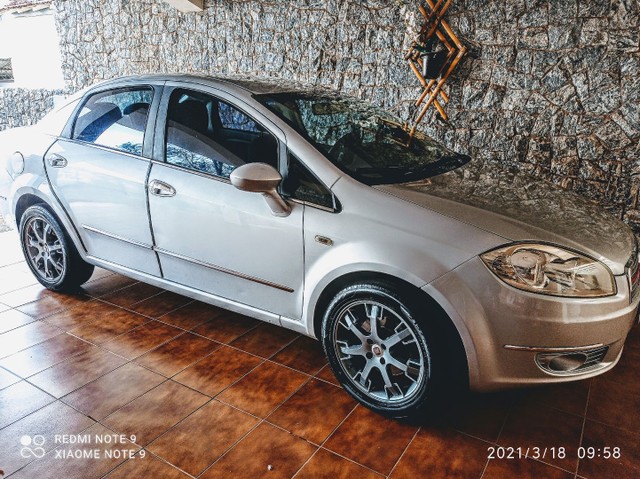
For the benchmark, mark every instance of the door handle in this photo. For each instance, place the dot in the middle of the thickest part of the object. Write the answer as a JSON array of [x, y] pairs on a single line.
[[159, 188], [57, 161]]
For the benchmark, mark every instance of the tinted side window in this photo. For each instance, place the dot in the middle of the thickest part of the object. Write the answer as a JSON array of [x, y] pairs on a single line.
[[115, 118], [208, 135], [301, 184]]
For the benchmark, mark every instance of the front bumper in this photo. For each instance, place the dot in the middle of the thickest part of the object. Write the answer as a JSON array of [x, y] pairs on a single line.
[[509, 334]]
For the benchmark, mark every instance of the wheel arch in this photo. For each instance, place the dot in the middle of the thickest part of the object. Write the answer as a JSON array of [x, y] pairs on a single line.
[[446, 325], [24, 202], [32, 197]]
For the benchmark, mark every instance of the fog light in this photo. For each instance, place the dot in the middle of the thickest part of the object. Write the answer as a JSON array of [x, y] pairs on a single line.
[[571, 362]]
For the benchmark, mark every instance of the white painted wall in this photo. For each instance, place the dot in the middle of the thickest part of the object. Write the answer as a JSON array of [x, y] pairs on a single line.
[[31, 41]]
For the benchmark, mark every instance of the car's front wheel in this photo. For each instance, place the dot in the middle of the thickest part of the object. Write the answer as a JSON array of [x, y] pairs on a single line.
[[50, 253], [380, 350]]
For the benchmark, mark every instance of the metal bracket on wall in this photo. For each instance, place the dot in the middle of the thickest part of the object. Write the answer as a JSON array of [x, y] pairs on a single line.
[[433, 55]]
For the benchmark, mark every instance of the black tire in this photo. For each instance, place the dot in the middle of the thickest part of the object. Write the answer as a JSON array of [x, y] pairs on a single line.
[[50, 253], [352, 353]]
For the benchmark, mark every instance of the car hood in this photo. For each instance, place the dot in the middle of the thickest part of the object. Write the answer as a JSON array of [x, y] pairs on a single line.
[[519, 207]]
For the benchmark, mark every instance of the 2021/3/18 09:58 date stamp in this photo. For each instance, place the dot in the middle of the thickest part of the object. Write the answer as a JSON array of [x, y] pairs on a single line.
[[500, 452]]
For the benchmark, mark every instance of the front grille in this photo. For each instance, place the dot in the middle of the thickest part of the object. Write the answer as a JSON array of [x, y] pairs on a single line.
[[588, 360], [633, 273]]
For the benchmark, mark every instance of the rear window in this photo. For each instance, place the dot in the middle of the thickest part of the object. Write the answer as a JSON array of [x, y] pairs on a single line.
[[54, 122], [115, 119]]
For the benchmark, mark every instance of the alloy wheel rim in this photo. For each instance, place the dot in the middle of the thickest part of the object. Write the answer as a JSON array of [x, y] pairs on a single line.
[[379, 352], [44, 249]]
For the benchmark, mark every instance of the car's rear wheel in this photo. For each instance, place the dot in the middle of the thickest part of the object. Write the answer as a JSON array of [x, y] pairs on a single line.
[[50, 253], [379, 347]]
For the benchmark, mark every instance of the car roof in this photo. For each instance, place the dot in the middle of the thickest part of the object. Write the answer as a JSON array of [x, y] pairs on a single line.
[[249, 85]]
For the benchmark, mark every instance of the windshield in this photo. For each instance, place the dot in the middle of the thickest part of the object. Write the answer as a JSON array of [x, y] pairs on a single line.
[[367, 143]]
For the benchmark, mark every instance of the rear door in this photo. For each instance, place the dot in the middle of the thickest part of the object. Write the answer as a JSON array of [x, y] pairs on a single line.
[[209, 235], [99, 174]]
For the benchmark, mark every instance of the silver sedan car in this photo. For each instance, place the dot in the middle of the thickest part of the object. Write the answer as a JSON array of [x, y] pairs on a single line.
[[418, 268]]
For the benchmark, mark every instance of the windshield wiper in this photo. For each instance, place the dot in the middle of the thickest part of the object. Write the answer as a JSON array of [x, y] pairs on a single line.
[[398, 173]]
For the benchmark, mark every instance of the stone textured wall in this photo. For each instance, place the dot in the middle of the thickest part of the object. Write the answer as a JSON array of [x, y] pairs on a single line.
[[552, 87], [21, 106]]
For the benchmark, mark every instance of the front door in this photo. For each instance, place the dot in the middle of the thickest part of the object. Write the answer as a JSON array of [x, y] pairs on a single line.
[[99, 175], [209, 235]]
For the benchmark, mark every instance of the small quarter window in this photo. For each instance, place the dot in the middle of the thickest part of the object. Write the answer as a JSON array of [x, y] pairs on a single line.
[[115, 118], [301, 184]]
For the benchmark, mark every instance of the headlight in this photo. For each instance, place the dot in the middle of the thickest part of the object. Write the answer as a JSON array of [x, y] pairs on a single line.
[[545, 269]]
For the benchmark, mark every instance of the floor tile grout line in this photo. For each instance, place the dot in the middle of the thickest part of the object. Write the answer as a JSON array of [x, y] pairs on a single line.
[[148, 320], [92, 381], [35, 410], [172, 377], [261, 421], [19, 289], [322, 446], [211, 398], [66, 358], [504, 423], [496, 442], [48, 317], [191, 300], [184, 333], [305, 462], [633, 432], [584, 423], [55, 448], [261, 358], [127, 306], [71, 357], [35, 344], [184, 306], [228, 344], [17, 327], [226, 451], [159, 458], [164, 381], [118, 289], [220, 344], [48, 314], [123, 405], [184, 418], [403, 452], [56, 399], [309, 378], [138, 327], [12, 374]]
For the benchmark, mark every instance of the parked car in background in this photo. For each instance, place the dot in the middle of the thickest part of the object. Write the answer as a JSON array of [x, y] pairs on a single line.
[[412, 264]]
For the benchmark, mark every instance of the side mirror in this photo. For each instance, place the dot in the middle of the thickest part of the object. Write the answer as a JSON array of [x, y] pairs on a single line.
[[261, 178]]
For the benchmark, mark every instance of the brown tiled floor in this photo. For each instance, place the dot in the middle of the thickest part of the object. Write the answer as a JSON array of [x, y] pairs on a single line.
[[208, 393]]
